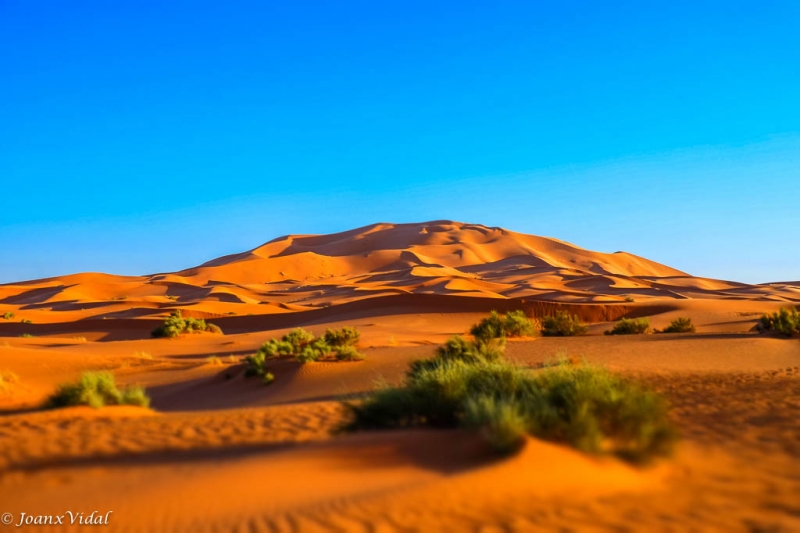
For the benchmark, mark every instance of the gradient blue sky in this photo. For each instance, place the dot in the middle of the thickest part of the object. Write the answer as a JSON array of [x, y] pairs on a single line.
[[145, 136]]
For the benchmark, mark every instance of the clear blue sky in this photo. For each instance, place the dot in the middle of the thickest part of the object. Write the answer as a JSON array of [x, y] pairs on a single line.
[[139, 137]]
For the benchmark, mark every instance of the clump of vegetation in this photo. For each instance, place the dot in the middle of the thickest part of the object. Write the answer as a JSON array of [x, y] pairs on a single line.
[[562, 324], [97, 389], [786, 322], [586, 407], [268, 378], [349, 353], [630, 326], [214, 360], [338, 344], [468, 384], [335, 344], [512, 324], [8, 315], [26, 321], [346, 336], [175, 325], [680, 325], [27, 336], [171, 297], [254, 365]]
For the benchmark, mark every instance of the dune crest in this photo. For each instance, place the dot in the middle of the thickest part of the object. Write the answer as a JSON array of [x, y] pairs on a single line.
[[298, 273]]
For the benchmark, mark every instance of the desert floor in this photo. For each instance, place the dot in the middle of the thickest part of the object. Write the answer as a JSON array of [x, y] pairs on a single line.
[[221, 452]]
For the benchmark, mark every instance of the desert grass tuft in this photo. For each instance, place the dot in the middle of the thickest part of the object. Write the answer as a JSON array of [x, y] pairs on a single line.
[[630, 326], [786, 322], [496, 325], [97, 389], [680, 325], [562, 324], [175, 324], [587, 407]]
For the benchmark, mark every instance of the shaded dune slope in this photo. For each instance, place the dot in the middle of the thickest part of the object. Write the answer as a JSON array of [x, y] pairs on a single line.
[[437, 263]]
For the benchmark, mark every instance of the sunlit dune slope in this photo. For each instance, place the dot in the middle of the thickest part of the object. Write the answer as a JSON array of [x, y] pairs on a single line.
[[307, 272]]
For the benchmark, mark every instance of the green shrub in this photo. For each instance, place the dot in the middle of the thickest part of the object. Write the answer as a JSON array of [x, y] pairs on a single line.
[[562, 324], [586, 407], [97, 389], [458, 348], [518, 325], [254, 364], [175, 325], [308, 355], [680, 325], [27, 336], [268, 378], [346, 336], [491, 327], [26, 321], [501, 421], [349, 353], [630, 326], [513, 324], [276, 348], [786, 321], [305, 348], [298, 338], [8, 315]]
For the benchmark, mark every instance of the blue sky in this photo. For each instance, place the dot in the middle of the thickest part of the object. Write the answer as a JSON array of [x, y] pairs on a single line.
[[153, 136]]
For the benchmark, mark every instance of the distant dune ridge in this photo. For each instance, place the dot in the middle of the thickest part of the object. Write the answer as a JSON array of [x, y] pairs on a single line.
[[443, 258]]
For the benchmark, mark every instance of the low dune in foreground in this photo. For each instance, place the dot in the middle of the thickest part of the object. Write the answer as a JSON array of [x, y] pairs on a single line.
[[219, 451]]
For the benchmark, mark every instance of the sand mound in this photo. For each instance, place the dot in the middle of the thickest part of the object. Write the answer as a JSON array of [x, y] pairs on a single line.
[[306, 273]]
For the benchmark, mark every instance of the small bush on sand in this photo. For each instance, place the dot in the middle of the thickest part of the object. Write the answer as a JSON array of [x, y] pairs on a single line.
[[501, 422], [214, 360], [680, 325], [346, 336], [516, 324], [338, 344], [268, 378], [349, 353], [786, 322], [584, 406], [8, 315], [97, 389], [175, 325], [562, 324], [254, 365], [630, 326], [26, 321], [513, 324], [298, 338], [460, 349]]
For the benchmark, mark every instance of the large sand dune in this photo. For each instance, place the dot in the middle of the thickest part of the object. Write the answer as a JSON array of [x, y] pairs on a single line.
[[305, 273], [222, 452]]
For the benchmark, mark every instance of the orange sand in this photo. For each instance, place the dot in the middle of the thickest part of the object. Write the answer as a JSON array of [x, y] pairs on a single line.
[[219, 452]]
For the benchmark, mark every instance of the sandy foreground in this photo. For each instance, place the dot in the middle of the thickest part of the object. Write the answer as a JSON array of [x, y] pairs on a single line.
[[221, 452]]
